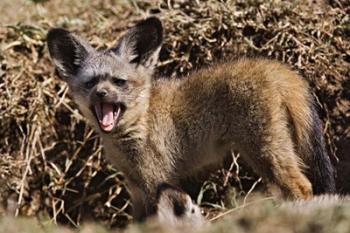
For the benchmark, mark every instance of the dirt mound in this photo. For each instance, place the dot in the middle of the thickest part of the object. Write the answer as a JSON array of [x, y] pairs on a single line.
[[51, 161]]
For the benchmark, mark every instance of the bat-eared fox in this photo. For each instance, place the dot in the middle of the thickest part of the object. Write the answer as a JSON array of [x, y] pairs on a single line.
[[175, 208], [163, 130]]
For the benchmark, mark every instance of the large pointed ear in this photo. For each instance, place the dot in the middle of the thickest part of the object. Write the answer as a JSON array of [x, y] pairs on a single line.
[[141, 44], [67, 51]]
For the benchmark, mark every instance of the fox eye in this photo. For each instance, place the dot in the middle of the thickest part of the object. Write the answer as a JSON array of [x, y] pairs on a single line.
[[119, 82], [89, 84]]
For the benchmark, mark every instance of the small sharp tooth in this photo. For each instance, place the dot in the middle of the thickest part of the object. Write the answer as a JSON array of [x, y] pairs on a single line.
[[116, 113]]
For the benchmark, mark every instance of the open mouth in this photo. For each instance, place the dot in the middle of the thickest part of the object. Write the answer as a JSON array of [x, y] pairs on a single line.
[[108, 115]]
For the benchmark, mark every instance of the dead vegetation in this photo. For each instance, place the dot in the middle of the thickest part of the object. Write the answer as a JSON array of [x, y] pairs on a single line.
[[258, 217], [51, 161]]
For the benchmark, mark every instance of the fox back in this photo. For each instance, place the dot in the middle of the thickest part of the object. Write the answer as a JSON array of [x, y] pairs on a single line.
[[317, 203]]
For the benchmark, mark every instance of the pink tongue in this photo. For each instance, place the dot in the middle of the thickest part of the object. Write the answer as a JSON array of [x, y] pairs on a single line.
[[107, 114], [107, 121]]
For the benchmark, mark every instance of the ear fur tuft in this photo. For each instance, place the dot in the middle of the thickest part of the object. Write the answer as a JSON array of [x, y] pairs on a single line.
[[67, 51], [141, 44]]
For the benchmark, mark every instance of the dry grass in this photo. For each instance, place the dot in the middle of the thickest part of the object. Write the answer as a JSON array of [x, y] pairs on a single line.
[[51, 161], [259, 217]]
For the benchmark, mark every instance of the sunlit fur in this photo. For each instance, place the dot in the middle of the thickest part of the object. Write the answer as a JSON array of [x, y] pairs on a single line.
[[316, 203]]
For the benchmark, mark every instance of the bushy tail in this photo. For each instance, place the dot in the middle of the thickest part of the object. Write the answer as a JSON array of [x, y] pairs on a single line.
[[321, 172], [309, 137]]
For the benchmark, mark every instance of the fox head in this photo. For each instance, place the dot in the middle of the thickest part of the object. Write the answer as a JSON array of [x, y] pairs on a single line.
[[108, 85], [175, 208]]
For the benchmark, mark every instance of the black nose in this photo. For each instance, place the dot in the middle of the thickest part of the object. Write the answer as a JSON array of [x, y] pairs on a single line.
[[102, 93]]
